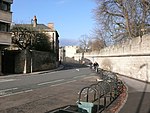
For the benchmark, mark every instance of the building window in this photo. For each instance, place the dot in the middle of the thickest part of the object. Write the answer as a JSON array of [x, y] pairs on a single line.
[[4, 27], [5, 6]]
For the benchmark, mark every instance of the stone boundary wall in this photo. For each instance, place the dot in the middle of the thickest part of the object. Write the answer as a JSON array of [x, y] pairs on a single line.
[[37, 60], [131, 58]]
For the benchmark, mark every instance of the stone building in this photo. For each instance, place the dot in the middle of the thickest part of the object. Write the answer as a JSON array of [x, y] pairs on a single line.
[[62, 54], [67, 53], [49, 30], [25, 61], [5, 22], [71, 50]]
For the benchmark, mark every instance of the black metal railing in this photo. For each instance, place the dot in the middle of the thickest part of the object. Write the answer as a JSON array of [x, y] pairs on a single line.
[[96, 97]]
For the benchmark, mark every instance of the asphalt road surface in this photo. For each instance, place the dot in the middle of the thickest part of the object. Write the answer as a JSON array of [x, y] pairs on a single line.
[[44, 91], [20, 84]]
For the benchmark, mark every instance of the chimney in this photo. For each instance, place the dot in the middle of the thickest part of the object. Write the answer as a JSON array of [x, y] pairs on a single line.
[[34, 21], [51, 26]]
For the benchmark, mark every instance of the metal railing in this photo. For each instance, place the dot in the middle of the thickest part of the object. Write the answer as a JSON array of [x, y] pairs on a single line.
[[100, 94], [96, 97]]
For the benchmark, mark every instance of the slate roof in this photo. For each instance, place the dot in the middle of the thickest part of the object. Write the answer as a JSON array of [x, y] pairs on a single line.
[[39, 27]]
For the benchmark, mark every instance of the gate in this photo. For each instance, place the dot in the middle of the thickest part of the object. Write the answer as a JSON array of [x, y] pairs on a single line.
[[8, 61]]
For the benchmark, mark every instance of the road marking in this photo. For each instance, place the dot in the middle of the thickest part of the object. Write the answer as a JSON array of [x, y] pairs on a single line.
[[87, 77], [11, 94], [28, 90], [4, 90], [79, 76], [2, 93], [7, 80], [44, 83], [53, 72], [63, 83], [77, 70]]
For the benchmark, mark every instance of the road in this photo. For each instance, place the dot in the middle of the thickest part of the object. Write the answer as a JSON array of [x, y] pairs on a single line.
[[28, 93], [19, 84], [44, 91]]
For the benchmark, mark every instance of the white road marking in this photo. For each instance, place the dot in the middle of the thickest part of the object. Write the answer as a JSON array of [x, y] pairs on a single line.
[[7, 80], [63, 83], [79, 76], [4, 90], [11, 94], [51, 82], [53, 72], [77, 70], [87, 77], [2, 93], [28, 90]]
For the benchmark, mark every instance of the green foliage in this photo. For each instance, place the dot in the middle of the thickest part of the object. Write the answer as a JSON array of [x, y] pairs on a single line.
[[41, 42]]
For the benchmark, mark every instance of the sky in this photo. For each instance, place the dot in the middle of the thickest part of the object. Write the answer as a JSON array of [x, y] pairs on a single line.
[[71, 18]]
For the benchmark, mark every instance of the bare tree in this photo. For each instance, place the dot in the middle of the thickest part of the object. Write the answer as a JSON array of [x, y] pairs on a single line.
[[91, 43], [97, 44], [22, 37], [26, 39], [84, 42], [84, 45], [123, 18], [100, 35]]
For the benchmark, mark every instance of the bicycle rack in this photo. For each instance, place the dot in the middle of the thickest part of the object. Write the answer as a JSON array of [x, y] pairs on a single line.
[[96, 97]]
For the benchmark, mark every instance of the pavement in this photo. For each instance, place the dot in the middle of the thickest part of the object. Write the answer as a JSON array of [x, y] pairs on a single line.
[[33, 73], [138, 96]]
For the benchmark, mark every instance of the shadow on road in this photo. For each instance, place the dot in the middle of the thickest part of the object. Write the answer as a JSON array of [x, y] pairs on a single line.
[[138, 102], [144, 90], [141, 100], [68, 66]]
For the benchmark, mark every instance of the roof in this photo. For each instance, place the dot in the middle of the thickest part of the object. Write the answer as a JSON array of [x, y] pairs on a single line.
[[39, 27]]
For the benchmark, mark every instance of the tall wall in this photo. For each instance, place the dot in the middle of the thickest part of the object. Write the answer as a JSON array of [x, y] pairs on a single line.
[[36, 60], [131, 58]]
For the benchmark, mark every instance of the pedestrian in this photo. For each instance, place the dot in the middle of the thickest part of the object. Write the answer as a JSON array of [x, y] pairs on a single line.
[[90, 65], [96, 65]]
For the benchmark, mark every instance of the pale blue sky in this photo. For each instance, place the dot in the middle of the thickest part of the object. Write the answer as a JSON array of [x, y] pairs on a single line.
[[72, 18]]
